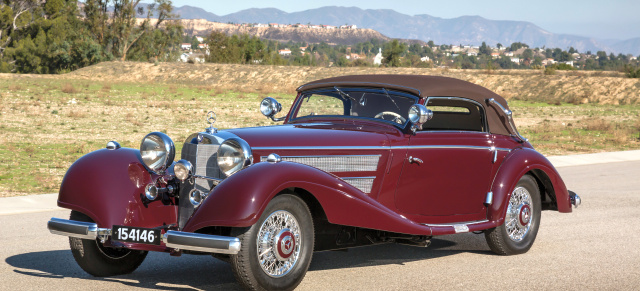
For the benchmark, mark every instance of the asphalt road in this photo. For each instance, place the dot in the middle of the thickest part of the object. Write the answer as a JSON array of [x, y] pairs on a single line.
[[595, 247]]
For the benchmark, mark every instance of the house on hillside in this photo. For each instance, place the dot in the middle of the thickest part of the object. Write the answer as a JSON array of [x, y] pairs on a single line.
[[186, 46], [495, 55], [285, 52], [424, 59], [203, 46], [515, 60], [260, 25], [472, 53], [329, 27], [200, 39], [348, 26]]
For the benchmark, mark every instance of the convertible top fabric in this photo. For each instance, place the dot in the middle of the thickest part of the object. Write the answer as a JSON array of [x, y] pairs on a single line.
[[426, 86]]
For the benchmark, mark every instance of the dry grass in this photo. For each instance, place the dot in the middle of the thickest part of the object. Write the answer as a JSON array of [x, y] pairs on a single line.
[[106, 87], [125, 111], [68, 88]]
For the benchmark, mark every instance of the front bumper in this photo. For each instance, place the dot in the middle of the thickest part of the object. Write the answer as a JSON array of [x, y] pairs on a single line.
[[575, 199], [178, 240]]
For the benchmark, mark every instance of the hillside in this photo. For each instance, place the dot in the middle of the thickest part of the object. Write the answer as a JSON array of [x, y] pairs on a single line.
[[471, 30], [308, 35], [533, 85]]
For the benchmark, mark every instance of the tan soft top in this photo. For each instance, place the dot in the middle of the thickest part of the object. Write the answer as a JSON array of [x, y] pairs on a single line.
[[426, 86]]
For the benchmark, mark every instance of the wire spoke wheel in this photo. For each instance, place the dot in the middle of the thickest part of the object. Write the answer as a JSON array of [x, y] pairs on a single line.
[[519, 214], [521, 220], [278, 243]]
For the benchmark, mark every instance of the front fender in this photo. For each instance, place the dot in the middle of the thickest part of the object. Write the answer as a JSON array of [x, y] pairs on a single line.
[[241, 198], [108, 186], [518, 163]]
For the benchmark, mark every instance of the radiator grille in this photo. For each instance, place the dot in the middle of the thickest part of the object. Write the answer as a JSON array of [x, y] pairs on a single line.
[[204, 161]]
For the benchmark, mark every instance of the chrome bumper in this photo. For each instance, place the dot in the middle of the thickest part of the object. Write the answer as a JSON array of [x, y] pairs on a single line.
[[202, 242], [79, 229], [575, 199], [173, 239]]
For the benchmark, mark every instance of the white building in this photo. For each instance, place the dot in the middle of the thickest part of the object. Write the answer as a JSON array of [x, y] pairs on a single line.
[[200, 39], [424, 59], [377, 60], [285, 52], [186, 46]]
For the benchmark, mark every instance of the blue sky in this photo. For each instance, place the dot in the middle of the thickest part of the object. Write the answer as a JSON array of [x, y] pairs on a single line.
[[613, 19]]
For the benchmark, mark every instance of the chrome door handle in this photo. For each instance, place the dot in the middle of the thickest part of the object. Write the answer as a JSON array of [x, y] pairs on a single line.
[[415, 160]]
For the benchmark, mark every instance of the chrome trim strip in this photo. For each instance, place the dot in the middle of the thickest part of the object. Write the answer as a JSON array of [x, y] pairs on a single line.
[[509, 114], [452, 147], [454, 224], [322, 148], [72, 228], [202, 242], [489, 199], [377, 147]]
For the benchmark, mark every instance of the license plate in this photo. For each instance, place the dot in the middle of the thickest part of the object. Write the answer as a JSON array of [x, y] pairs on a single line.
[[135, 234]]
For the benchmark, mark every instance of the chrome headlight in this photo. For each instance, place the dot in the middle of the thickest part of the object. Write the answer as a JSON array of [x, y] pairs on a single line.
[[233, 155], [157, 151], [182, 169]]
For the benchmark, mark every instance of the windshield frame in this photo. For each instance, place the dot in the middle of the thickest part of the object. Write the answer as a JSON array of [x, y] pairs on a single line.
[[379, 90]]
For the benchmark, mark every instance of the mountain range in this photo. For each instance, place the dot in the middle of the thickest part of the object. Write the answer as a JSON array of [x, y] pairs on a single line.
[[465, 30]]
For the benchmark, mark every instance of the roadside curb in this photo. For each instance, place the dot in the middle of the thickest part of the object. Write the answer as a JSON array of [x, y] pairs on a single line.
[[48, 202], [596, 158], [27, 204]]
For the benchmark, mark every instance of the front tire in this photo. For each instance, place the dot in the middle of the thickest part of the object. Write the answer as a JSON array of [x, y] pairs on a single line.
[[522, 220], [101, 261], [276, 251]]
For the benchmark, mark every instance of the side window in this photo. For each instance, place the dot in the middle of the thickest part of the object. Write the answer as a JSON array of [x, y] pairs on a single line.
[[453, 113]]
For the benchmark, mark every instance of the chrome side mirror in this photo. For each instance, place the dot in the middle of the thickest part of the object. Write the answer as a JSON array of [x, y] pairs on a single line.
[[419, 115], [270, 107]]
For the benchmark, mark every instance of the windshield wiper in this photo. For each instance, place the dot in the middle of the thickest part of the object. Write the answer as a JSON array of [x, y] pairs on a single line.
[[343, 94], [394, 102]]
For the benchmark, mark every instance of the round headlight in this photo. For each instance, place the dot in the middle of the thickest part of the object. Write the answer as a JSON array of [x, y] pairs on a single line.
[[233, 155], [418, 114], [157, 151], [270, 107], [182, 169]]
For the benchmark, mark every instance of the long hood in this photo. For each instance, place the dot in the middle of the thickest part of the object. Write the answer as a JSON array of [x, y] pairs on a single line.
[[316, 135]]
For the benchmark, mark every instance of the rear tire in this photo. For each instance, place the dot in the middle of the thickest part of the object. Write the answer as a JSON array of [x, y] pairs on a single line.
[[276, 251], [522, 220], [101, 261]]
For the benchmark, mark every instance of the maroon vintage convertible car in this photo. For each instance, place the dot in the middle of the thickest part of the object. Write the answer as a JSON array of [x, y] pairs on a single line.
[[359, 160]]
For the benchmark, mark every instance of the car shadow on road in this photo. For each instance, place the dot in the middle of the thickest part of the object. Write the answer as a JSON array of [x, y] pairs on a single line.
[[163, 272], [387, 254]]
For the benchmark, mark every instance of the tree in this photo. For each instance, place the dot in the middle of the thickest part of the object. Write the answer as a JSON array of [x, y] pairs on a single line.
[[15, 15], [484, 49], [392, 52]]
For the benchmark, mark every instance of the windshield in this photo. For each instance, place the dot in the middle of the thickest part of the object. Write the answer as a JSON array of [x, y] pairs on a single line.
[[380, 104]]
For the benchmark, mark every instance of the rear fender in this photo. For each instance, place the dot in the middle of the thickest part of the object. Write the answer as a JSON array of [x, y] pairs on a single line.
[[241, 198], [108, 186], [518, 163]]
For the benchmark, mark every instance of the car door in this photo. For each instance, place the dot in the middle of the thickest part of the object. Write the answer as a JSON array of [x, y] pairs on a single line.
[[448, 166]]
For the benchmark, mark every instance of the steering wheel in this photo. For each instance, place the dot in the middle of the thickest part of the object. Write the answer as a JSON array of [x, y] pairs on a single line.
[[397, 118]]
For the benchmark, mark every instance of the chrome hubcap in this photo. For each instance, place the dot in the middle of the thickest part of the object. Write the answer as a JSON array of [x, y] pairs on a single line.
[[519, 214], [278, 243]]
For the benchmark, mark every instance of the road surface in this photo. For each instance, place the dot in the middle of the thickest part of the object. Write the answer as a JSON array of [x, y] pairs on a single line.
[[595, 247]]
